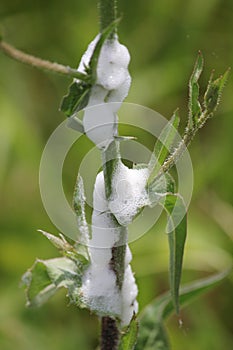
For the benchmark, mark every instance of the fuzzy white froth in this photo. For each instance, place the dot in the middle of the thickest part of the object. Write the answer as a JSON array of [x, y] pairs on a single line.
[[128, 256], [99, 287], [129, 194], [99, 290], [99, 199], [100, 124], [112, 65], [112, 85], [129, 293]]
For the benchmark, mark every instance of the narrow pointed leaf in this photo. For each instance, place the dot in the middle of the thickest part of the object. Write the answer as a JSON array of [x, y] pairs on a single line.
[[163, 146], [192, 290], [79, 202], [214, 91], [76, 99], [177, 229], [151, 329], [58, 242], [76, 252], [194, 105], [106, 33], [129, 337]]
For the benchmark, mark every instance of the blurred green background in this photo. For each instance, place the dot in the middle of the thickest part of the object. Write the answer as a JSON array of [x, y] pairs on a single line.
[[163, 38]]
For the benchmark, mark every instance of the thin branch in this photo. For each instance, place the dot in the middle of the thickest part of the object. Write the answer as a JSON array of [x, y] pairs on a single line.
[[184, 143], [36, 62]]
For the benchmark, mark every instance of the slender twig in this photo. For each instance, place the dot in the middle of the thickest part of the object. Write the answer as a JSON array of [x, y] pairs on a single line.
[[36, 62], [184, 143]]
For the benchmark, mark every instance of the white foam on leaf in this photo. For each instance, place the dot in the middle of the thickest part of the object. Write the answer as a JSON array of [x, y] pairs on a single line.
[[129, 193], [112, 85]]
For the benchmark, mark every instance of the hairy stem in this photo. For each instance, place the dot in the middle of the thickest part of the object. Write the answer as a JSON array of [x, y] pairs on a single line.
[[36, 62], [109, 334], [110, 157], [184, 143], [107, 12]]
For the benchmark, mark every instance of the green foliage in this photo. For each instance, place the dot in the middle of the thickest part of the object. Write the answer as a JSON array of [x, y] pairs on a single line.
[[177, 230], [79, 91], [197, 115], [79, 208], [104, 35], [194, 104], [76, 252], [20, 159], [45, 277], [162, 191], [214, 91], [152, 334], [163, 146], [129, 337], [76, 99]]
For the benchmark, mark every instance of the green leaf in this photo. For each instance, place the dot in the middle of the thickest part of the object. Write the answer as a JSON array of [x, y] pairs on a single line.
[[177, 229], [79, 202], [106, 33], [194, 105], [160, 187], [163, 146], [47, 276], [151, 332], [76, 99], [38, 284], [59, 243], [79, 91], [214, 91], [129, 337], [77, 252], [193, 290], [160, 191]]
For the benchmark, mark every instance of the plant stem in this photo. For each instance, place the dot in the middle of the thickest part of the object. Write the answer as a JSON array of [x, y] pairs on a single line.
[[33, 61], [107, 12], [110, 157], [184, 143], [109, 334]]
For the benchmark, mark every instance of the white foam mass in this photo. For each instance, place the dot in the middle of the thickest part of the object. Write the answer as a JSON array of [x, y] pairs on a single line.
[[99, 289], [112, 85], [129, 193], [129, 293]]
